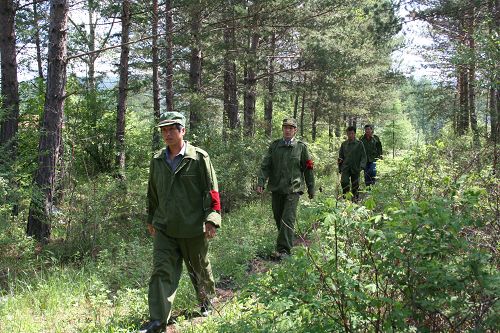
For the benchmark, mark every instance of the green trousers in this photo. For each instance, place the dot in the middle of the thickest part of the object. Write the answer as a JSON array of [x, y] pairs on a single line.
[[349, 180], [285, 213], [168, 255]]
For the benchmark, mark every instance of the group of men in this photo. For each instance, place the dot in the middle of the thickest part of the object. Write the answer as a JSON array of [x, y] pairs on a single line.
[[184, 205], [356, 155]]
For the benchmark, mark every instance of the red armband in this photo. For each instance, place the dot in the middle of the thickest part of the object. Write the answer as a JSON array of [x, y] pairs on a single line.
[[309, 164], [215, 200]]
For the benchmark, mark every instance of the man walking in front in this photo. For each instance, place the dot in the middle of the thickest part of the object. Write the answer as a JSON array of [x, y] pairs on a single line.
[[183, 214], [373, 148], [352, 159], [288, 165]]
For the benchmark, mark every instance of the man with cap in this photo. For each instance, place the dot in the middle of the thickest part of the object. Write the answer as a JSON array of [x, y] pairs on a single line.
[[373, 148], [352, 159], [183, 214], [288, 166]]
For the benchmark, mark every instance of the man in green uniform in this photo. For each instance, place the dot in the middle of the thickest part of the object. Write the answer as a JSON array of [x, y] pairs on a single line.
[[352, 158], [373, 148], [288, 166], [183, 214]]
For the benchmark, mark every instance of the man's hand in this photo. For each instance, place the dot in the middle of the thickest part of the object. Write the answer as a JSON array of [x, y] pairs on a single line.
[[260, 189], [151, 229], [210, 230]]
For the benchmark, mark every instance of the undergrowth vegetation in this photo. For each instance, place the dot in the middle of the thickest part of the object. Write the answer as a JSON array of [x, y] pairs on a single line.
[[418, 253]]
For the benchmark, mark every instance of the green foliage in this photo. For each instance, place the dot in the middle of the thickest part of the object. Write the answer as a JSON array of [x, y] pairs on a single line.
[[428, 105], [90, 129], [236, 163], [418, 256]]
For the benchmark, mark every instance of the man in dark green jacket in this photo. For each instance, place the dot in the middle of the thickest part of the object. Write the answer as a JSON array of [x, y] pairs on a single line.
[[288, 166], [373, 148], [183, 214], [352, 159]]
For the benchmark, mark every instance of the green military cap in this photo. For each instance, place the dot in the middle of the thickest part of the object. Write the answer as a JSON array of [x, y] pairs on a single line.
[[171, 118], [289, 122]]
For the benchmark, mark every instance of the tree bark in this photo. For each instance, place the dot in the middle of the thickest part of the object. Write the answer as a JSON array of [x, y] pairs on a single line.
[[463, 100], [250, 79], [123, 89], [50, 135], [230, 81], [303, 108], [10, 86], [156, 76], [268, 105], [169, 56], [472, 75], [314, 116], [36, 29], [195, 67], [494, 91]]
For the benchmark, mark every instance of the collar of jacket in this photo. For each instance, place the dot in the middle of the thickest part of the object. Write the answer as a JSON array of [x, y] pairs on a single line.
[[190, 152], [281, 143]]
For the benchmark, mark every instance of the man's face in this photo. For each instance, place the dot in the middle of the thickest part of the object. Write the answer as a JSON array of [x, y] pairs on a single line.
[[172, 136], [289, 132], [368, 132], [351, 135]]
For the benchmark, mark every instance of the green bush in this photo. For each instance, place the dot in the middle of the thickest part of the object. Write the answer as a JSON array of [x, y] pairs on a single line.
[[419, 255]]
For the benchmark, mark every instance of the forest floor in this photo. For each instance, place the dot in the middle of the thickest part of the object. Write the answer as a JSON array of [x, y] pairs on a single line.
[[226, 290]]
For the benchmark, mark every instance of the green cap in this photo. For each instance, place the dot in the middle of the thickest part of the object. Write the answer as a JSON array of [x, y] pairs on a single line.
[[289, 122], [171, 118]]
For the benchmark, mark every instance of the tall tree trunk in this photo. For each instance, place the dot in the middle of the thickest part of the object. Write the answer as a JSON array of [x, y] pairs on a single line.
[[296, 104], [463, 84], [314, 117], [268, 104], [91, 47], [10, 87], [494, 91], [250, 79], [36, 30], [9, 121], [123, 89], [472, 75], [303, 107], [156, 76], [230, 82], [463, 100], [169, 86], [50, 133], [297, 93], [195, 67]]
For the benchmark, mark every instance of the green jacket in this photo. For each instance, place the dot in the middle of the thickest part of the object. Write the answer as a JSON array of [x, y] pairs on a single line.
[[353, 156], [287, 167], [181, 201], [373, 148]]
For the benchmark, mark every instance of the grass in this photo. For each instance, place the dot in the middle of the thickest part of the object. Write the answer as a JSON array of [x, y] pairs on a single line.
[[101, 285]]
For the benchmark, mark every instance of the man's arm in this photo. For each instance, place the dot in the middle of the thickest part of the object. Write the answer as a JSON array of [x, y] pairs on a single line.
[[308, 167], [341, 157], [213, 212], [265, 169], [363, 159], [152, 199], [379, 148]]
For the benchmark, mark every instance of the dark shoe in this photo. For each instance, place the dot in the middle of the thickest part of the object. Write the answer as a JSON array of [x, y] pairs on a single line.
[[152, 326], [284, 255], [206, 309], [278, 256]]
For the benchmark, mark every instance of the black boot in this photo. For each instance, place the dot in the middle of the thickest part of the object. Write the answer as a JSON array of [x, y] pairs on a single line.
[[152, 326], [206, 308]]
